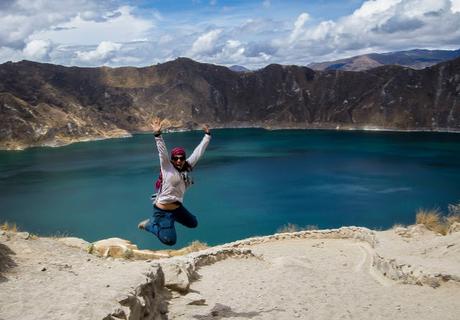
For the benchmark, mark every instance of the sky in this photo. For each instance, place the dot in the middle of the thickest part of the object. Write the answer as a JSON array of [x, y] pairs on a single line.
[[114, 33]]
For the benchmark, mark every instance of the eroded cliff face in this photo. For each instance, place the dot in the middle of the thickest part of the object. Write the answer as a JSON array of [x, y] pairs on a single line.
[[44, 104]]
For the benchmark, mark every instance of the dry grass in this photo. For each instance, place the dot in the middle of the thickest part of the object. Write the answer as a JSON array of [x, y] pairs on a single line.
[[128, 254], [433, 220], [192, 247], [60, 234], [90, 249], [290, 227], [197, 246], [6, 226]]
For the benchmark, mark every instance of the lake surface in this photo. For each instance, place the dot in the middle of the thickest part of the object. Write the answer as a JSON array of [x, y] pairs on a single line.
[[249, 182]]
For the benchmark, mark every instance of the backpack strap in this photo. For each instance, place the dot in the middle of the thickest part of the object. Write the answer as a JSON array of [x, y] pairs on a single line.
[[159, 182], [158, 185]]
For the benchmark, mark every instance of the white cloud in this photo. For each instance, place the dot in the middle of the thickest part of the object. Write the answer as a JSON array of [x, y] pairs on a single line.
[[91, 32], [256, 27], [68, 31], [455, 7], [299, 26], [373, 8], [233, 51], [323, 32], [378, 25], [205, 43], [9, 54], [120, 25], [105, 51], [165, 39], [418, 8], [21, 19], [38, 50]]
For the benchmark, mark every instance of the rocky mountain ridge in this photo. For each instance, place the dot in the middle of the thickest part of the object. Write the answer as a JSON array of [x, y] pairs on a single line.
[[45, 104]]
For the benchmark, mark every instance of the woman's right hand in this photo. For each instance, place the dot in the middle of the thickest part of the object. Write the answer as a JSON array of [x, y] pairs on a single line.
[[156, 125], [206, 129]]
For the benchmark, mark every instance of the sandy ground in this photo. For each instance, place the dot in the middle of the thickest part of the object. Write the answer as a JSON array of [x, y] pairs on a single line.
[[307, 278], [50, 280], [312, 279]]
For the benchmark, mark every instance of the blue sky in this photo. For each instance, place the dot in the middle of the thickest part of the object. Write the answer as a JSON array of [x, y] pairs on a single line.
[[321, 9], [249, 33]]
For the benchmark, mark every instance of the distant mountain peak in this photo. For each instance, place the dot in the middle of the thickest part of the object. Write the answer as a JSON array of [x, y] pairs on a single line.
[[415, 59], [237, 68]]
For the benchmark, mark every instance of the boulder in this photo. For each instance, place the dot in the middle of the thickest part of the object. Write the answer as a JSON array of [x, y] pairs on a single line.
[[114, 247], [23, 235], [121, 248], [176, 277]]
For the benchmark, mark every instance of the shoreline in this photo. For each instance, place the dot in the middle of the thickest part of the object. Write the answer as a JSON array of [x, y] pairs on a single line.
[[57, 144]]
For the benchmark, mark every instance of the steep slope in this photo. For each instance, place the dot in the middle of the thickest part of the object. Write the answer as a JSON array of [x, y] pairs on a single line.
[[44, 104]]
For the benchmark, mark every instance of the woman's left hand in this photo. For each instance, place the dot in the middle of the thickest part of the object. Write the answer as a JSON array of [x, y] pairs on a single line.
[[156, 125], [206, 129]]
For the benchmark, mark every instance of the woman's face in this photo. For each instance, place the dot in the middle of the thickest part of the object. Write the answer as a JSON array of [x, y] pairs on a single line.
[[178, 161]]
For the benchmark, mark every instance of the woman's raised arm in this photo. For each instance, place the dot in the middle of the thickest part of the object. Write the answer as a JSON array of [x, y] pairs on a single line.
[[199, 150], [161, 146]]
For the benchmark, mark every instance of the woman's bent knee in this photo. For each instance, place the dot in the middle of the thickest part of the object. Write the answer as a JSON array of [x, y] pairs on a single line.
[[193, 223], [168, 242], [168, 239], [167, 235]]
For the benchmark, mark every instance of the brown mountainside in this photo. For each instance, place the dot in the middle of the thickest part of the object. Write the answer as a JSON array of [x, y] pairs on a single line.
[[44, 104]]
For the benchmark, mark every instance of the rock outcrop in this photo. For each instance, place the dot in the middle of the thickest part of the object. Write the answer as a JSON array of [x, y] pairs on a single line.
[[121, 248], [43, 104]]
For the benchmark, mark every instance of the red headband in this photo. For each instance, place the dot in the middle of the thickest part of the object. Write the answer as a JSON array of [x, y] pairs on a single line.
[[177, 151]]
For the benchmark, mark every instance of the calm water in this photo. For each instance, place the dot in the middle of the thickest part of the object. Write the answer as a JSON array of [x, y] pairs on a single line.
[[250, 182]]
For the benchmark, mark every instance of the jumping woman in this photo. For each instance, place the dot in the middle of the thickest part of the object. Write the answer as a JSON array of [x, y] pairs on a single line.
[[174, 180]]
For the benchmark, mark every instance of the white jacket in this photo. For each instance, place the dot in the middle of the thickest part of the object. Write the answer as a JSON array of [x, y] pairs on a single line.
[[173, 186]]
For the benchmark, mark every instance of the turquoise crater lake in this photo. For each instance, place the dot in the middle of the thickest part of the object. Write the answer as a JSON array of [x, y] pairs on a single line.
[[249, 182]]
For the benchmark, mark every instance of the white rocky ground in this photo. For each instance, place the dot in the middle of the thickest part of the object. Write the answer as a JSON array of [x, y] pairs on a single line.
[[347, 273]]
